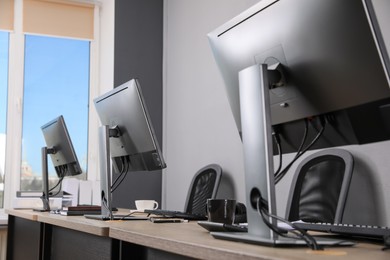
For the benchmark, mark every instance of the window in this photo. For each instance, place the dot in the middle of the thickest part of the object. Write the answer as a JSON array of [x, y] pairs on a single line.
[[4, 43], [56, 82], [62, 26], [28, 28]]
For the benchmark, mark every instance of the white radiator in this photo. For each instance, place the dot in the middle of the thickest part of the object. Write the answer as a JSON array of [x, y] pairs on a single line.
[[3, 243]]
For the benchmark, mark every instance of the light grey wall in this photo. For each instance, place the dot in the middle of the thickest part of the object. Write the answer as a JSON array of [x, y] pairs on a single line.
[[198, 127]]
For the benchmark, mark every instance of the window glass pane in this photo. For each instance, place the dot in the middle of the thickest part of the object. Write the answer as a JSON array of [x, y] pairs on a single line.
[[3, 106], [56, 82]]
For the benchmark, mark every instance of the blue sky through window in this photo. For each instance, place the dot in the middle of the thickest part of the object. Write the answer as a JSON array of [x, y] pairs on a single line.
[[56, 83]]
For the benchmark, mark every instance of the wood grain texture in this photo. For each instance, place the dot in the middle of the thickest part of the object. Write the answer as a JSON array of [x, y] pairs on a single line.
[[189, 239], [23, 213], [80, 223]]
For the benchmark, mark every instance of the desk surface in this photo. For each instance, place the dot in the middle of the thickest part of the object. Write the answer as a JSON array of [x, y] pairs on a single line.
[[79, 223], [26, 214], [190, 239]]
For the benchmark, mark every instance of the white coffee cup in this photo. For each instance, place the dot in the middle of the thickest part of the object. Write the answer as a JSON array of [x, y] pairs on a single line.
[[141, 205]]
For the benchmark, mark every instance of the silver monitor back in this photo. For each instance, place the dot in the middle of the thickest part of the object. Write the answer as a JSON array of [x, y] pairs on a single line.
[[126, 136], [124, 107], [64, 158], [332, 52], [331, 61]]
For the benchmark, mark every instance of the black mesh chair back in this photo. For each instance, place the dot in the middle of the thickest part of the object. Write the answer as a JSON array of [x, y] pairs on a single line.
[[204, 186], [320, 187]]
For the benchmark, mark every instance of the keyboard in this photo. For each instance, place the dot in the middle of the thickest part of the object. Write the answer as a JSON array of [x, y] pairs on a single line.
[[175, 214], [375, 232]]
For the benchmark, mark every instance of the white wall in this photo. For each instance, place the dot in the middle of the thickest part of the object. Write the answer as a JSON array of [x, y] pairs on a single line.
[[199, 128]]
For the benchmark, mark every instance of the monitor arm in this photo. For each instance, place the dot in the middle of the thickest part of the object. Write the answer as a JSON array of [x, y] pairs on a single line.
[[45, 178], [276, 75], [114, 131], [105, 132]]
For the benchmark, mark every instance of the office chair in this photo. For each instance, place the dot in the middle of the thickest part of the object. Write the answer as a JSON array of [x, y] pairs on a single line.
[[320, 187], [204, 186]]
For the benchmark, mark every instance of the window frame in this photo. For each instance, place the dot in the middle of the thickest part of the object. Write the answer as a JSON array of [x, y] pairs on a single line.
[[2, 182], [99, 83]]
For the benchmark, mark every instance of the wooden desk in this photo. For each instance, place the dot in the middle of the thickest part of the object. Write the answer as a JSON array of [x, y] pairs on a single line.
[[79, 238], [189, 239], [41, 235]]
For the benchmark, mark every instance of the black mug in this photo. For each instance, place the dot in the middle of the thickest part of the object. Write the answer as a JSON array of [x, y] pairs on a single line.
[[221, 210]]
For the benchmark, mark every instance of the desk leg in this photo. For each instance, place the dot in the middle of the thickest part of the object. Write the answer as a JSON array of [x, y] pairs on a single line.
[[72, 244], [46, 233], [134, 251], [23, 239]]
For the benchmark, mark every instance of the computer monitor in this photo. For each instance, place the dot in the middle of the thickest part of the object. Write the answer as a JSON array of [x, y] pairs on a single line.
[[284, 60], [123, 109], [126, 136], [326, 48], [63, 156]]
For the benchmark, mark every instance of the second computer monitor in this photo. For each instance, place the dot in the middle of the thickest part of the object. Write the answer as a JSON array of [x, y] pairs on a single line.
[[124, 111], [63, 155]]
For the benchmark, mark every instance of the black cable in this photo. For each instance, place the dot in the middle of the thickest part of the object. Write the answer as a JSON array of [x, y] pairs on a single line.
[[298, 233], [121, 176], [304, 137], [58, 183], [121, 172], [124, 174], [61, 173], [276, 136], [319, 134], [131, 213], [59, 190]]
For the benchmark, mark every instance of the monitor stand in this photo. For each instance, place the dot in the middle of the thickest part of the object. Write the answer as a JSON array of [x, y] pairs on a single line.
[[105, 175], [105, 132], [45, 179], [258, 161]]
